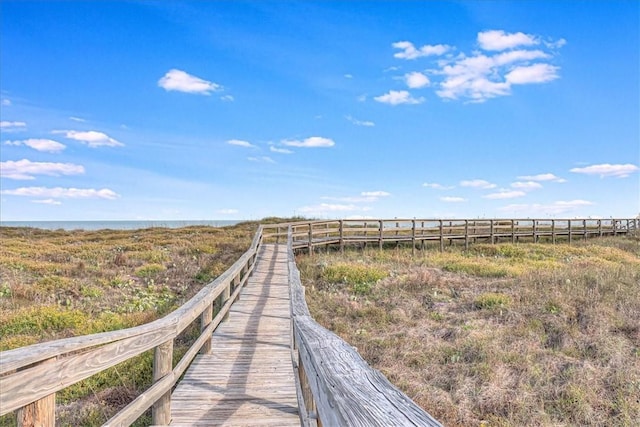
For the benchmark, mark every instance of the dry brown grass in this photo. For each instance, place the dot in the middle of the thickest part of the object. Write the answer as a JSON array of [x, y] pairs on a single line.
[[504, 335]]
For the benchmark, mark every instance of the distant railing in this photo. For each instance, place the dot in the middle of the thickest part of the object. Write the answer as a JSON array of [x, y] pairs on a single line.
[[30, 376], [417, 232], [336, 387]]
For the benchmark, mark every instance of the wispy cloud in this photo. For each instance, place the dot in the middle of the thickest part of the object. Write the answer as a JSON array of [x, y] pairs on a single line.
[[542, 177], [311, 142], [280, 150], [375, 193], [437, 186], [505, 194], [77, 119], [499, 40], [555, 208], [44, 145], [26, 170], [261, 159], [181, 81], [397, 97], [451, 199], [360, 122], [348, 76], [416, 80], [91, 138], [7, 126], [478, 183], [606, 170], [227, 98], [240, 143], [6, 102], [48, 202], [526, 185], [63, 193], [409, 51]]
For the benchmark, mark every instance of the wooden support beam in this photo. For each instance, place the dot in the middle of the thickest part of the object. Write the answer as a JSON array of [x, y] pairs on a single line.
[[41, 412], [162, 361]]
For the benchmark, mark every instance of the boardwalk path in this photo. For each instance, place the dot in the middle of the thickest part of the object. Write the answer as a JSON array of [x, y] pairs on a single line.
[[248, 379]]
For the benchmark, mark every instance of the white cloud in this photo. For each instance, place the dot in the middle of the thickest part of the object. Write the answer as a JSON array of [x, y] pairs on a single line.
[[499, 40], [555, 208], [44, 145], [48, 202], [92, 138], [437, 186], [450, 199], [77, 119], [279, 150], [396, 97], [181, 81], [262, 159], [505, 194], [478, 183], [7, 126], [375, 194], [542, 177], [348, 76], [6, 102], [409, 51], [26, 169], [227, 98], [63, 193], [536, 73], [311, 142], [416, 80], [360, 122], [240, 143], [227, 211], [526, 185], [606, 169]]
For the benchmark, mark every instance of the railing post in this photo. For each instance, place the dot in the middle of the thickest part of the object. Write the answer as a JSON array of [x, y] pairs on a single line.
[[569, 228], [310, 243], [278, 235], [205, 320], [466, 234], [584, 229], [534, 223], [599, 228], [342, 237], [553, 231], [413, 237], [441, 236], [513, 231], [162, 361], [491, 232], [41, 412], [381, 232]]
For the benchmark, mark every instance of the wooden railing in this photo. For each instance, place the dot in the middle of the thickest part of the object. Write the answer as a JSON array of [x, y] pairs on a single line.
[[30, 376], [336, 387], [417, 232]]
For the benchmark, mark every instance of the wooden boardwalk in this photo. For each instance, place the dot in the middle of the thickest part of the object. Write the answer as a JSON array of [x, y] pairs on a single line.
[[248, 378]]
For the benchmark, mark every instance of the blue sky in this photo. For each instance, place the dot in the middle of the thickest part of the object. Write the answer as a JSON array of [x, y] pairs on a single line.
[[241, 110]]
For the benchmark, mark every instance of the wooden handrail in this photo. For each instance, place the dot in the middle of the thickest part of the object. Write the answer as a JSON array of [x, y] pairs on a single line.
[[335, 385]]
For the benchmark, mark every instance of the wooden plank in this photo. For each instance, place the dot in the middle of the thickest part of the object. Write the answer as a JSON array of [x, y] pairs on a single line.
[[248, 378]]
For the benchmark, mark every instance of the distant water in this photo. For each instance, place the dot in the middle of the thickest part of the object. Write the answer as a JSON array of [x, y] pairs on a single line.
[[113, 225]]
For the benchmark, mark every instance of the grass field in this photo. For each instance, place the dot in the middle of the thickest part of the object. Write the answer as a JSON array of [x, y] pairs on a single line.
[[500, 335]]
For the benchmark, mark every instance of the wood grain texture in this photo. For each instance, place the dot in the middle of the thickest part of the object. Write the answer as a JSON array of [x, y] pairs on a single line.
[[248, 378]]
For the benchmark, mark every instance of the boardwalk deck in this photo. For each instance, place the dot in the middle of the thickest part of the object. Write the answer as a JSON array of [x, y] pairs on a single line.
[[248, 378]]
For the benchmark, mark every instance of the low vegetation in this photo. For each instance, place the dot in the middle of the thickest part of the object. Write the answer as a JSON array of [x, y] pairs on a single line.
[[57, 284], [499, 335]]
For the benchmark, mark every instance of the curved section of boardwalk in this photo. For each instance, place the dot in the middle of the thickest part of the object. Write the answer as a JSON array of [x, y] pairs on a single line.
[[248, 378]]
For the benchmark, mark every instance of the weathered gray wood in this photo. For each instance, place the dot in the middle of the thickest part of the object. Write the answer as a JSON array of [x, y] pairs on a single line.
[[41, 412], [163, 357], [24, 387]]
